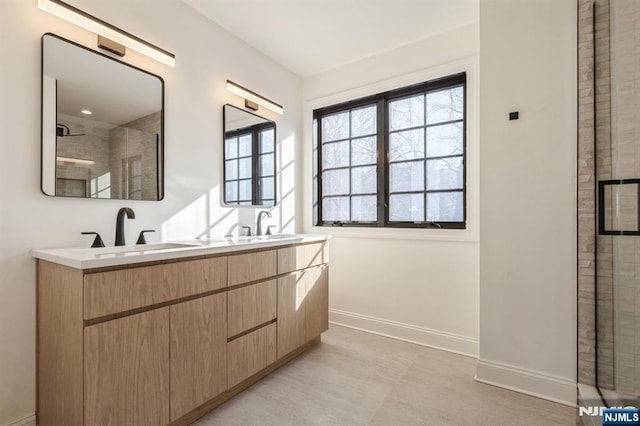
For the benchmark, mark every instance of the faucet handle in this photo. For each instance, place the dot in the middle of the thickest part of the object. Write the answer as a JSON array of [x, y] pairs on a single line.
[[97, 242], [141, 239], [248, 228], [269, 229]]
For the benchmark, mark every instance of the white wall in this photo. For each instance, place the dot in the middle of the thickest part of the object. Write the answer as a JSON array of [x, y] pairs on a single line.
[[419, 285], [528, 202], [195, 92]]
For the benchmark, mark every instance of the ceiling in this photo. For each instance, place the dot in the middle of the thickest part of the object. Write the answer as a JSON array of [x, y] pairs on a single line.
[[312, 36]]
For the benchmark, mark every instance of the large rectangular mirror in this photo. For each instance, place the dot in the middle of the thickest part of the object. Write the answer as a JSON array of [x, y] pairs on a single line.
[[249, 158], [102, 125]]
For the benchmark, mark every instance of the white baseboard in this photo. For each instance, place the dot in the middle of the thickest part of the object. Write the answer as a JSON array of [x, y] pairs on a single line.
[[534, 383], [29, 420], [409, 333]]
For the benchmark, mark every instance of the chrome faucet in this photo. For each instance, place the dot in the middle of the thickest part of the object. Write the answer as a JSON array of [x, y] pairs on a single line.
[[120, 224], [261, 215]]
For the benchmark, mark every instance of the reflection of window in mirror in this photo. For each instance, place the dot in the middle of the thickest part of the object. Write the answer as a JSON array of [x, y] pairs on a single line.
[[266, 164], [249, 159]]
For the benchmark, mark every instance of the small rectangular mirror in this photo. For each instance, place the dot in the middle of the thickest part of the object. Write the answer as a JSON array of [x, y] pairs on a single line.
[[249, 158], [102, 125]]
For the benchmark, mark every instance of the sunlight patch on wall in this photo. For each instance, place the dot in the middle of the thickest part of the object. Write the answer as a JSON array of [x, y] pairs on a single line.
[[287, 183], [188, 223]]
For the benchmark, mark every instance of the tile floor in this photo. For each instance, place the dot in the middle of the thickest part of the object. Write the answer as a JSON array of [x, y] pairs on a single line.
[[357, 378]]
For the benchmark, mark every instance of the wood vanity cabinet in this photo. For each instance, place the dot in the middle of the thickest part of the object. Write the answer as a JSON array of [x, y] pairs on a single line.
[[164, 343]]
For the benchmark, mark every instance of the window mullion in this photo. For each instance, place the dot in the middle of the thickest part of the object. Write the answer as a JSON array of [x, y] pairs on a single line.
[[382, 118], [426, 176], [255, 165], [350, 173], [319, 169]]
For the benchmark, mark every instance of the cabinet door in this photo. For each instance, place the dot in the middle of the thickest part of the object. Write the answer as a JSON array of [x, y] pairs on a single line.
[[126, 370], [198, 352], [291, 312], [303, 307], [317, 301]]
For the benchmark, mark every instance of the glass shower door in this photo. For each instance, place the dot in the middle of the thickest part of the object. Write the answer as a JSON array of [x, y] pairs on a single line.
[[618, 239]]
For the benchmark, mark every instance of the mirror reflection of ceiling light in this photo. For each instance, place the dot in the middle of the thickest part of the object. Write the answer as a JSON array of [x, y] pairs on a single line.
[[104, 29], [75, 161], [86, 112], [252, 98]]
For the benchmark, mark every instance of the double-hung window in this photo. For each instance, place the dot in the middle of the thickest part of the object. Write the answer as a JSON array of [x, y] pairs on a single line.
[[396, 159]]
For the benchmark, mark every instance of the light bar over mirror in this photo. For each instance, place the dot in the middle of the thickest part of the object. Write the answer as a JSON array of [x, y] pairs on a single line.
[[89, 22], [252, 98]]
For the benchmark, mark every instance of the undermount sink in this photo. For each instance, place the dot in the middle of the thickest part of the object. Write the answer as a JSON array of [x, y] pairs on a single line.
[[257, 238], [139, 248], [277, 236]]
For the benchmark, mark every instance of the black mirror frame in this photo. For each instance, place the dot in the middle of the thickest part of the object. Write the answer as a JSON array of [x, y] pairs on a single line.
[[160, 157]]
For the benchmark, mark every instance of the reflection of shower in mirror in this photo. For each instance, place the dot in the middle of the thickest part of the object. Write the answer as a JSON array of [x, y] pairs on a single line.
[[63, 131]]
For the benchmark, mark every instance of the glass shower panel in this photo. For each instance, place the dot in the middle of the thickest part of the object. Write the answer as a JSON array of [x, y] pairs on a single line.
[[618, 241]]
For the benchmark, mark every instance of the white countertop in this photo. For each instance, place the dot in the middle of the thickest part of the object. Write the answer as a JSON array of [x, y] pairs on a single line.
[[89, 258]]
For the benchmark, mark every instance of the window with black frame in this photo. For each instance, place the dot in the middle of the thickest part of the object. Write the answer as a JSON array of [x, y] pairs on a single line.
[[420, 178]]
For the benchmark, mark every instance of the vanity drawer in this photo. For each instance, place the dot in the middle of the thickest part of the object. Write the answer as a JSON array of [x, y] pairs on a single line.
[[251, 306], [304, 256], [244, 268], [250, 353], [107, 293]]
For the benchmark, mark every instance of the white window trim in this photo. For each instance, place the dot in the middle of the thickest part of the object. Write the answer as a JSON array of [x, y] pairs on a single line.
[[468, 65]]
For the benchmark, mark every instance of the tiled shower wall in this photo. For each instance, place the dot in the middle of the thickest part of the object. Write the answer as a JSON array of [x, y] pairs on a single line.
[[586, 192], [93, 145], [594, 123]]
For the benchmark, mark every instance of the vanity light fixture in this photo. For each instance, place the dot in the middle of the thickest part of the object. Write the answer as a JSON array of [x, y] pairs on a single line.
[[252, 99], [86, 112], [106, 30], [77, 161]]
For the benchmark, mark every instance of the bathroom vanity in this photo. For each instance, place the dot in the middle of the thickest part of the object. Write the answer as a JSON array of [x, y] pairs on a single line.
[[161, 335]]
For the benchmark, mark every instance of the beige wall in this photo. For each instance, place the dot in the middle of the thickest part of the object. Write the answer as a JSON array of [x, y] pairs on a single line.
[[528, 196]]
